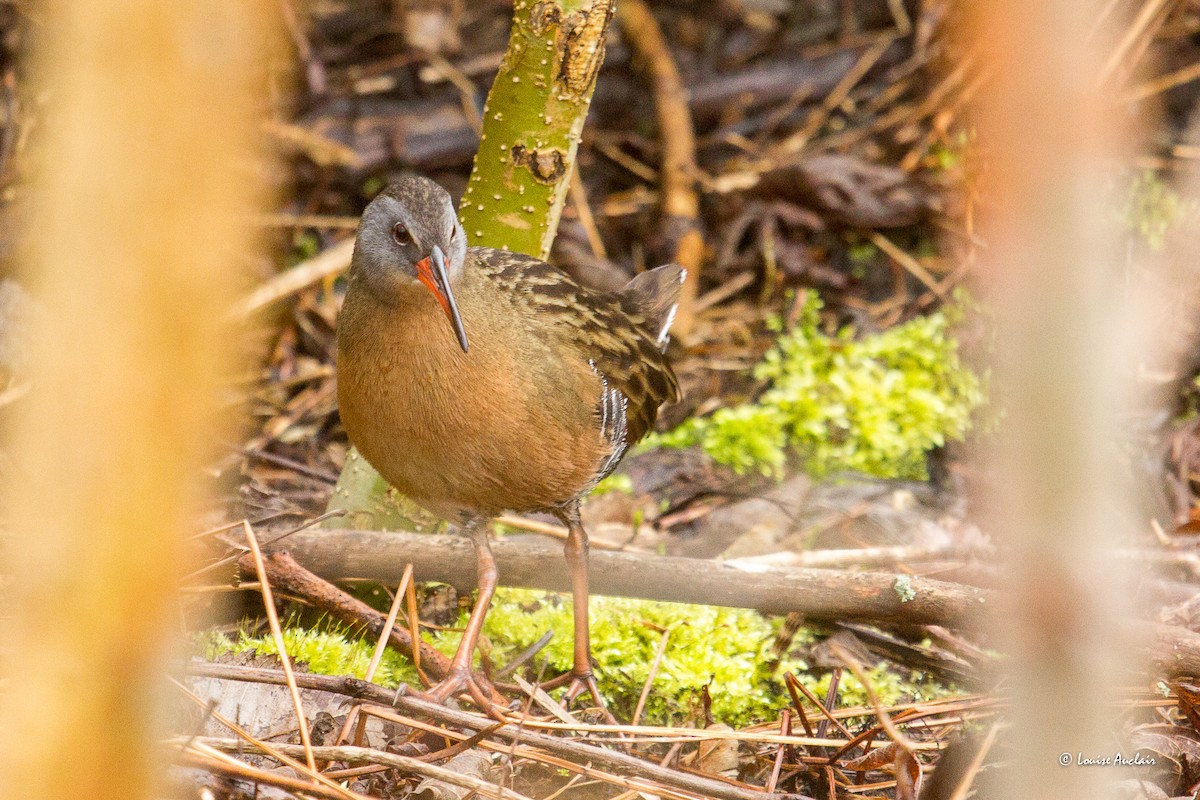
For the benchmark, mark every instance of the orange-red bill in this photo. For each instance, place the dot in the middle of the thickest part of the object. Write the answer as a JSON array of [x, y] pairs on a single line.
[[431, 271]]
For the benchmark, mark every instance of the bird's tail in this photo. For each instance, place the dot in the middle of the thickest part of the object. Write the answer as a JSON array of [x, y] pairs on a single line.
[[655, 294]]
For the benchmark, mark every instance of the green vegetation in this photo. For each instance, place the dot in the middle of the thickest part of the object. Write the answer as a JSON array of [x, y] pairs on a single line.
[[874, 404], [305, 245], [723, 648], [726, 650], [950, 153], [1152, 209], [617, 482], [326, 652]]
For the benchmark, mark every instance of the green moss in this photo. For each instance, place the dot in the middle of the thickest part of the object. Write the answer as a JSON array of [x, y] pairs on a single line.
[[950, 154], [727, 650], [1152, 208], [618, 482], [874, 404], [305, 245], [326, 652], [862, 252], [373, 186], [724, 649]]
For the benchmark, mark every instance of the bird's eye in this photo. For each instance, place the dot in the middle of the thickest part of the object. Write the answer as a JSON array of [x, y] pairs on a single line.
[[401, 234], [453, 232]]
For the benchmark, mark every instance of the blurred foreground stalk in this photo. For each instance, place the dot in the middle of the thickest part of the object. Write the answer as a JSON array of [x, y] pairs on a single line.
[[1054, 272], [136, 233]]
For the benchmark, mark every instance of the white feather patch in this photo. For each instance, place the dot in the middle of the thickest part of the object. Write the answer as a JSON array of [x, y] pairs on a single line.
[[614, 420]]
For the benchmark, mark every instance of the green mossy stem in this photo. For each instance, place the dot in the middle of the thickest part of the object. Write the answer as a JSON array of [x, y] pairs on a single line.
[[532, 122]]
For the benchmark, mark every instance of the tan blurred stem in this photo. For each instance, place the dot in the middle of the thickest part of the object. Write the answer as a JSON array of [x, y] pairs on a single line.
[[1054, 274], [680, 202], [136, 233]]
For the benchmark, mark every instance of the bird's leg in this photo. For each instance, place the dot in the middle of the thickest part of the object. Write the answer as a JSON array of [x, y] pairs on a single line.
[[577, 561], [458, 678]]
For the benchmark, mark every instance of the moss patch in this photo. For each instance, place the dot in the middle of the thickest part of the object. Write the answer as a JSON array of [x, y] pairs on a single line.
[[724, 650], [874, 404], [1152, 209]]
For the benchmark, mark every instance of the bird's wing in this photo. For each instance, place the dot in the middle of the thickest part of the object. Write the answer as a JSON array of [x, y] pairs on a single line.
[[615, 333]]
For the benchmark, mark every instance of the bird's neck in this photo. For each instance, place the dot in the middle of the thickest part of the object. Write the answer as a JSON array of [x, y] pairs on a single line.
[[406, 315]]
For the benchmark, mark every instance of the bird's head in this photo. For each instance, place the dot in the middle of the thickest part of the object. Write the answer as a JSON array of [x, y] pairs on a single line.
[[410, 234]]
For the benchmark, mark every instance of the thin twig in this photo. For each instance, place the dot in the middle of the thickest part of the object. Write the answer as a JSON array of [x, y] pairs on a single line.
[[796, 142], [680, 202], [794, 682], [406, 764], [414, 628], [237, 555], [277, 634], [14, 393], [205, 757], [572, 753], [881, 714], [268, 748], [547, 529], [909, 263], [654, 665], [306, 221], [466, 89], [583, 210], [1162, 83], [329, 261], [968, 776], [1136, 30], [380, 646], [785, 729], [314, 68]]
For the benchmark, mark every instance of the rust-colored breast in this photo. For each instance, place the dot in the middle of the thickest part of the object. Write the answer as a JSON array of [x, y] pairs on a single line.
[[509, 425]]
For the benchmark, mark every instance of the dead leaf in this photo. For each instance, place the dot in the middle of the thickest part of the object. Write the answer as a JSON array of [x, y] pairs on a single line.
[[718, 756]]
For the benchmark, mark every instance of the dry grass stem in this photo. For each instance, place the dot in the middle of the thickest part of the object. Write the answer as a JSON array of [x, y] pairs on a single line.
[[280, 646]]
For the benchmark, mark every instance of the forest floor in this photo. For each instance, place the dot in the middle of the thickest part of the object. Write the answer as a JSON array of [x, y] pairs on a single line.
[[834, 159]]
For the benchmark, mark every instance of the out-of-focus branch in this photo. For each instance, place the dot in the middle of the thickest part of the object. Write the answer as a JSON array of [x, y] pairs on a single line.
[[329, 261], [677, 177]]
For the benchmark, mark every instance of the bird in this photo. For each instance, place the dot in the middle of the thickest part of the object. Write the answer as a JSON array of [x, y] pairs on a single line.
[[478, 380]]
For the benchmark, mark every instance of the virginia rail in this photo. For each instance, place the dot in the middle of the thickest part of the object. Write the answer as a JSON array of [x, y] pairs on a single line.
[[526, 399]]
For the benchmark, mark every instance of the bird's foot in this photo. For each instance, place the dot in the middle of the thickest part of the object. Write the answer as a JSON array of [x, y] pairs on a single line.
[[458, 681], [579, 683]]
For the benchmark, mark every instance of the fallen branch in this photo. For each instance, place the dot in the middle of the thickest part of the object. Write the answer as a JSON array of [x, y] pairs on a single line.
[[818, 594]]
